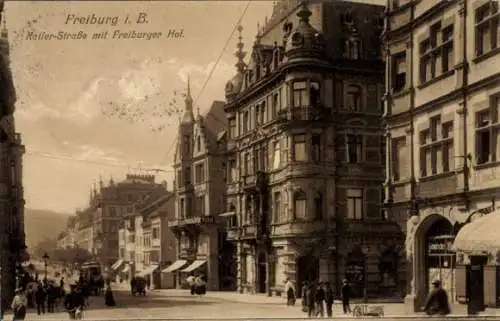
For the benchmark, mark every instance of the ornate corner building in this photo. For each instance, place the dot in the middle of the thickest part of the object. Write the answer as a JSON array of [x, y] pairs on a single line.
[[12, 237], [199, 192], [442, 106], [305, 164]]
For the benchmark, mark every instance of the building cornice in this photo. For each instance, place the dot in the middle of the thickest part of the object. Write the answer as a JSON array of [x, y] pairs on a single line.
[[429, 14], [441, 100]]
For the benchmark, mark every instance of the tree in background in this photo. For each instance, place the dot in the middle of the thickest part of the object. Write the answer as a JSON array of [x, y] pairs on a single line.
[[65, 256]]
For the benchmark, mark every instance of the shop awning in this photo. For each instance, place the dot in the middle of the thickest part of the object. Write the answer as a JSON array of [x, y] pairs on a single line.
[[126, 269], [150, 269], [116, 265], [175, 266], [196, 264], [227, 214], [480, 235]]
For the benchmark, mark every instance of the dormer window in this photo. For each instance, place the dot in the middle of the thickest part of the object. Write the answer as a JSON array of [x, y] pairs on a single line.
[[297, 39], [348, 18]]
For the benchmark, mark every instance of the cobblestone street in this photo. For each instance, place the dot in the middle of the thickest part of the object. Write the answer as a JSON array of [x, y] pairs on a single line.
[[179, 304]]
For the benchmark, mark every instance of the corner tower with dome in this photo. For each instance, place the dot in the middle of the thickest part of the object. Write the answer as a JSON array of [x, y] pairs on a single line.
[[305, 153]]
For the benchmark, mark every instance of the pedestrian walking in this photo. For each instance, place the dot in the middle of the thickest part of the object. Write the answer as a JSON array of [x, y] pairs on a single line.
[[346, 296], [319, 298], [329, 299], [310, 300], [109, 299], [290, 292], [40, 299], [303, 293], [51, 298], [19, 305], [192, 284], [437, 301]]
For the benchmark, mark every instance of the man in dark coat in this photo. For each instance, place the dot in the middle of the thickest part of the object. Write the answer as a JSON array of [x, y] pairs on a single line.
[[319, 297], [73, 301], [40, 299], [51, 298], [346, 296], [310, 300], [437, 301], [329, 299]]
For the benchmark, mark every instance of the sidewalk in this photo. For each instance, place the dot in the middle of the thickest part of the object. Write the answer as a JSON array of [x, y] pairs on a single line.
[[396, 310]]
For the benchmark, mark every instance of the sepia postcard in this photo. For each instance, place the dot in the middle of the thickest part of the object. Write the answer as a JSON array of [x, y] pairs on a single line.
[[249, 160]]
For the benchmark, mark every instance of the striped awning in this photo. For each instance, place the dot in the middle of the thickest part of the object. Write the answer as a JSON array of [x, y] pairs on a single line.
[[480, 235], [175, 266]]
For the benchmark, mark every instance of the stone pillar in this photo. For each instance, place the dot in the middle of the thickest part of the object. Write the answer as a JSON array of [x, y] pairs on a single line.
[[213, 260], [240, 277]]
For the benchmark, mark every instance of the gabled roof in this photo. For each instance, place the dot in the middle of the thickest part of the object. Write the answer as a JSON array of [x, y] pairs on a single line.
[[213, 123]]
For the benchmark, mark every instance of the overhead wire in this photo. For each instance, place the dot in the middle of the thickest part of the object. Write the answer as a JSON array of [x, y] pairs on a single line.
[[86, 161], [238, 22]]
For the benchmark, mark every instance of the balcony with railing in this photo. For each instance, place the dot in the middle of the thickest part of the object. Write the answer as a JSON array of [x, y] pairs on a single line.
[[299, 116], [193, 220]]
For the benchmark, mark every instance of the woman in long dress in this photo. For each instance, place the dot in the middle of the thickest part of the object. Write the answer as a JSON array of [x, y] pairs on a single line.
[[109, 299], [19, 305]]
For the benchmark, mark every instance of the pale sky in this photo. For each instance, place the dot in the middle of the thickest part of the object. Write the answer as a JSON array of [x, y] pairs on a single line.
[[68, 90]]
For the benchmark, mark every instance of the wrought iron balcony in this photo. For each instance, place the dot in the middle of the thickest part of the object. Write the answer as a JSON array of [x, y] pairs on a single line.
[[303, 115], [195, 220]]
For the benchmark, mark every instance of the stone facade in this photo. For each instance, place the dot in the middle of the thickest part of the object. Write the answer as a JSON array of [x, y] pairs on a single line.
[[199, 188], [305, 165], [111, 204], [12, 240], [442, 104]]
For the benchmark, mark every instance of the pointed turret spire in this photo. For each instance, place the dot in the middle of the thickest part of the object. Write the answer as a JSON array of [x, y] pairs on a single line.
[[111, 181], [240, 54], [188, 102], [304, 12], [101, 182]]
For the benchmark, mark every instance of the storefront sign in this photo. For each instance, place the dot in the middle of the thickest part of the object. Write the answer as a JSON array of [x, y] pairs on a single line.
[[440, 245], [200, 220]]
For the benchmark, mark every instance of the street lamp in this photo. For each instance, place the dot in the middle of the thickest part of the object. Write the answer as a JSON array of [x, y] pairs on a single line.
[[45, 258]]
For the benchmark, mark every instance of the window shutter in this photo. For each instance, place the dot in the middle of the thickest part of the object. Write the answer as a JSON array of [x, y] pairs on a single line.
[[372, 202]]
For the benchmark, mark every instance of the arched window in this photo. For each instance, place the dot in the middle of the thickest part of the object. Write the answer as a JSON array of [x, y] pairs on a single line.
[[353, 98], [277, 207], [318, 205], [300, 205]]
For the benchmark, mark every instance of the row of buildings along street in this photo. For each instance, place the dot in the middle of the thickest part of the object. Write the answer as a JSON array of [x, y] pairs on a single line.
[[355, 141]]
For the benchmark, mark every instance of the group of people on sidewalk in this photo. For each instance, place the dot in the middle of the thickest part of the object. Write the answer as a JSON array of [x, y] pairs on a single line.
[[318, 297], [74, 301]]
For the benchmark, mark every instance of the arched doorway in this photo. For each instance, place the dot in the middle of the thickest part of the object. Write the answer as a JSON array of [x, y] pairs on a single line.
[[307, 270], [433, 258], [440, 260]]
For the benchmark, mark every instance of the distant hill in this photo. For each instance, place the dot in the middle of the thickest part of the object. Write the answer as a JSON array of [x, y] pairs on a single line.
[[42, 224]]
